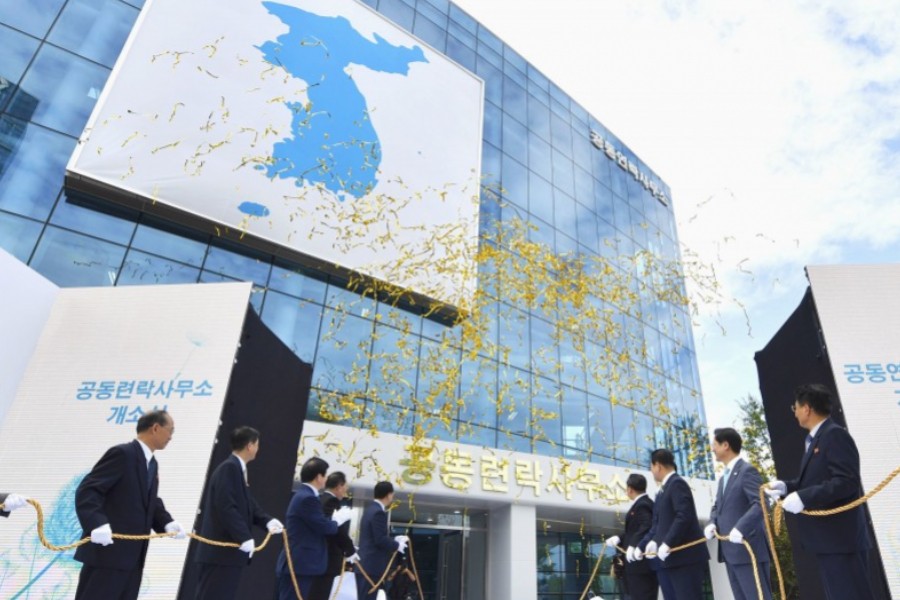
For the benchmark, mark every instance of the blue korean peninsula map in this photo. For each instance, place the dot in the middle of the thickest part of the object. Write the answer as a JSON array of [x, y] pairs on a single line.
[[333, 141]]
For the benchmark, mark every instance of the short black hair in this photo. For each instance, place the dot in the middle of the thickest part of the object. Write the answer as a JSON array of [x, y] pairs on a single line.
[[664, 457], [383, 489], [730, 435], [312, 468], [243, 437], [154, 417], [637, 482], [816, 396], [334, 480]]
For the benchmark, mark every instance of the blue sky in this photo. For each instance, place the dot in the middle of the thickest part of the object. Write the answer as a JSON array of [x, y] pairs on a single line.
[[776, 124]]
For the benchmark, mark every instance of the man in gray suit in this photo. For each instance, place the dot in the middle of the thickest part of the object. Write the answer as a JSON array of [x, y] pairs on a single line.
[[738, 515]]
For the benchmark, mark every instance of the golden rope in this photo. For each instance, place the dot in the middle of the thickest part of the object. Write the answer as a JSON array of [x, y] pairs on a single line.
[[384, 575], [412, 561], [337, 588], [290, 564], [590, 582], [771, 538]]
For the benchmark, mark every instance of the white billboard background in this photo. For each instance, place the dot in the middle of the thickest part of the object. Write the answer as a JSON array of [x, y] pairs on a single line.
[[857, 307], [183, 339], [193, 113]]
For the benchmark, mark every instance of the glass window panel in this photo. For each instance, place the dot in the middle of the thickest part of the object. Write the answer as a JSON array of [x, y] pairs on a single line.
[[514, 339], [18, 49], [460, 52], [346, 300], [493, 123], [18, 235], [540, 197], [458, 15], [491, 167], [494, 58], [388, 419], [515, 100], [256, 293], [571, 371], [539, 157], [489, 39], [493, 81], [245, 268], [478, 392], [141, 268], [70, 259], [515, 74], [295, 322], [59, 90], [400, 13], [342, 355], [587, 227], [623, 428], [392, 374], [113, 227], [538, 118], [645, 434], [515, 139], [462, 35], [542, 233], [544, 350], [566, 214], [442, 5], [437, 388], [477, 435], [295, 282], [546, 414], [95, 29], [170, 245], [32, 166], [515, 181], [600, 418], [431, 33], [563, 173], [34, 16], [562, 135]]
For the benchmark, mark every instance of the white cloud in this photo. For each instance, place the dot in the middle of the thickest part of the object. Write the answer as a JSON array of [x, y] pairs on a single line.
[[778, 118]]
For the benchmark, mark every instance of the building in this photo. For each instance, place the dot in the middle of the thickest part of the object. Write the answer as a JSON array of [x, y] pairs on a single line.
[[582, 197]]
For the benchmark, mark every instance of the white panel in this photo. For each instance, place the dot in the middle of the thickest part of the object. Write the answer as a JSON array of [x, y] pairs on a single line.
[[228, 110], [114, 337], [24, 307], [857, 307]]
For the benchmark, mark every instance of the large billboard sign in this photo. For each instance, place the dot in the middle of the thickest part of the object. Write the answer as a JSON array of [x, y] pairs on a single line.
[[104, 357], [316, 126], [857, 308]]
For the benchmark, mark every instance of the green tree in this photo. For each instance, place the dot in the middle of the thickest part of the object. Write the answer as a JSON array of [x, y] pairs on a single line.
[[757, 449]]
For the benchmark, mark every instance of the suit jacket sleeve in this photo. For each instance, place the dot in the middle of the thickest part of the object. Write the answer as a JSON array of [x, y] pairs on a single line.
[[311, 513], [91, 493], [260, 517], [3, 513], [681, 501], [161, 517], [654, 520], [753, 518], [842, 464]]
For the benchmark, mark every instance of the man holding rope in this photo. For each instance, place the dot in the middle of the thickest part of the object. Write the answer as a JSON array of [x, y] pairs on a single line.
[[829, 477], [640, 578], [737, 514], [375, 544], [675, 524]]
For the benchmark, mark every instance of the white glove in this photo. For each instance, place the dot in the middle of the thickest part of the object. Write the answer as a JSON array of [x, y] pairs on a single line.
[[710, 531], [638, 555], [274, 526], [663, 552], [352, 559], [776, 489], [249, 546], [651, 547], [342, 515], [102, 535], [793, 503], [176, 528], [403, 541], [13, 502], [735, 537], [613, 541], [629, 554]]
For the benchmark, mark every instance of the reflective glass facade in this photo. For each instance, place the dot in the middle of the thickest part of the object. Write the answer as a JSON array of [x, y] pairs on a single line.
[[536, 149]]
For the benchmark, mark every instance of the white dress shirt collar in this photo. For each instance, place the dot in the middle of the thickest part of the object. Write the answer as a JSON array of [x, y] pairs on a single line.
[[148, 453], [662, 484], [638, 497], [815, 430], [731, 464]]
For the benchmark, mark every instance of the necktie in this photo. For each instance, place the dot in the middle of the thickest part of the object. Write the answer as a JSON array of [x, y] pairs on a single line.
[[151, 473], [725, 478], [809, 441]]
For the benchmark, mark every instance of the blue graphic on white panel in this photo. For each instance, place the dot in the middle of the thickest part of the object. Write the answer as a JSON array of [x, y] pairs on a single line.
[[334, 142]]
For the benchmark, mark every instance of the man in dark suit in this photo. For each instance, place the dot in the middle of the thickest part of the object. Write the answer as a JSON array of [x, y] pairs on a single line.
[[340, 546], [11, 502], [119, 495], [640, 578], [307, 527], [675, 523], [737, 514], [375, 543], [229, 513], [829, 477]]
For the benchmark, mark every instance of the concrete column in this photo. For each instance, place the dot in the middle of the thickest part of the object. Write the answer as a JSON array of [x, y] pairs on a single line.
[[512, 553]]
